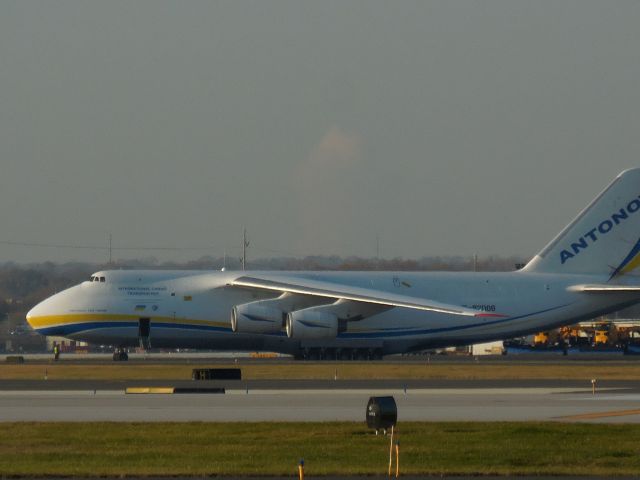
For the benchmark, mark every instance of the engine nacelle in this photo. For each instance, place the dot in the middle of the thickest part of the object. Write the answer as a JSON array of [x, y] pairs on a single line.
[[256, 318], [311, 323]]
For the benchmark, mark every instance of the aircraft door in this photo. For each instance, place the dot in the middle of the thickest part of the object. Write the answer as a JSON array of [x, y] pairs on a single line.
[[144, 333]]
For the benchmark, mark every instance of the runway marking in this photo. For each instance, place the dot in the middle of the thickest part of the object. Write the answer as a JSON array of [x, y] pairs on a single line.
[[410, 391], [594, 415], [151, 390], [171, 390], [435, 392]]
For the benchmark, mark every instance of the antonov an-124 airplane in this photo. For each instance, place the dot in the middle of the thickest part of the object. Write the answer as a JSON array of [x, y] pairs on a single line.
[[585, 271]]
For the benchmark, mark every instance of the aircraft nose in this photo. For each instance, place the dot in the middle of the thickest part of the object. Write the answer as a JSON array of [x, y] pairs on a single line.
[[31, 314], [52, 310], [40, 310], [43, 312]]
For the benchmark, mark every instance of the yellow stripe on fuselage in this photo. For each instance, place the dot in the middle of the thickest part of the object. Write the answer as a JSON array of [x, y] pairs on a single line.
[[74, 318], [71, 318]]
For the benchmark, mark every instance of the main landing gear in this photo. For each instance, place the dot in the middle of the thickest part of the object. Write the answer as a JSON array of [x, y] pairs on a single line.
[[344, 354]]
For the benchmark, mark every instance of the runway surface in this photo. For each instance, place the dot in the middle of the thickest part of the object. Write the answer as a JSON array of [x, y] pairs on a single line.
[[441, 400], [325, 400], [540, 358]]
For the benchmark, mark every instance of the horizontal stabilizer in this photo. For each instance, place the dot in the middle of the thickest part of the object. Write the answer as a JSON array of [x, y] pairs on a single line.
[[605, 288]]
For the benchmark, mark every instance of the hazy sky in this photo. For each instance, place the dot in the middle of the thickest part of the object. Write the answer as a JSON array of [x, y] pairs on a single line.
[[444, 127]]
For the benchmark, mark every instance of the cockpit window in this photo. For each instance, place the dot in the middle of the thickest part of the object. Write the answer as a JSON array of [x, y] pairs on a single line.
[[102, 279], [92, 278]]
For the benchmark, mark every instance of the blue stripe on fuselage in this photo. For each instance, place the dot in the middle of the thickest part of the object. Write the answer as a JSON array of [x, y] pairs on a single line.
[[62, 330]]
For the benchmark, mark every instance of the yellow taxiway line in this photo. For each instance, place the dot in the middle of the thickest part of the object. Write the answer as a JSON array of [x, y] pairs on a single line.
[[594, 415]]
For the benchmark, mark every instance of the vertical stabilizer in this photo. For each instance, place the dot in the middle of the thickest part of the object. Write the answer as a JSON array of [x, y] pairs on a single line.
[[603, 239]]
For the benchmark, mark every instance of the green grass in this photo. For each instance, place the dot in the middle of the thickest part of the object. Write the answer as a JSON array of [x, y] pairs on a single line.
[[310, 370], [197, 449]]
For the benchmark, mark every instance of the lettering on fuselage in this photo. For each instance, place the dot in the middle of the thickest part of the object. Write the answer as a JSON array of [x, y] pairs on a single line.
[[604, 227], [483, 307], [142, 291]]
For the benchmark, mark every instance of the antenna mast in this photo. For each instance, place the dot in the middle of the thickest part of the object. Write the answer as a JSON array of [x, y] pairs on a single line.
[[245, 244]]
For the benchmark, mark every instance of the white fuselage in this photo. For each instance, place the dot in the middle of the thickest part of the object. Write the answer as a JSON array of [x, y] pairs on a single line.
[[191, 309]]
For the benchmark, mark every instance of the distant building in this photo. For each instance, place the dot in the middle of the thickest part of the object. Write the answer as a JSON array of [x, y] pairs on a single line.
[[490, 348], [66, 345]]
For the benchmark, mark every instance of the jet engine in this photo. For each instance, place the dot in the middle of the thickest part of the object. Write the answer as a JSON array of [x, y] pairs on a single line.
[[256, 317], [311, 323]]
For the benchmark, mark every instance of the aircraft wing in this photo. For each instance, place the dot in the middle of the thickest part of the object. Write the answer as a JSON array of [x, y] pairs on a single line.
[[305, 286]]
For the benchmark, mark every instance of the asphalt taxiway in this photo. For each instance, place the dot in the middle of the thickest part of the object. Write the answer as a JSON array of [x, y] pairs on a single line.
[[615, 401], [540, 358], [312, 400]]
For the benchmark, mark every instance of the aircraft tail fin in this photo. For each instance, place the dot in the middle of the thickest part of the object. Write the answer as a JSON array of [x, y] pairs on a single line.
[[603, 239]]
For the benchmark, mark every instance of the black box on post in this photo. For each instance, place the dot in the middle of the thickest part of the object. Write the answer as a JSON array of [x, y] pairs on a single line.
[[216, 374], [382, 413]]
